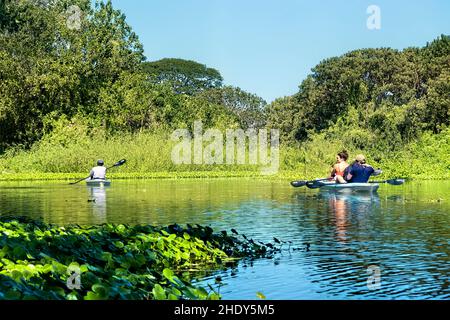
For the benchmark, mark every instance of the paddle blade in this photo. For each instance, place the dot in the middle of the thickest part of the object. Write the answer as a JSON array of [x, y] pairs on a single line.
[[313, 185], [299, 183], [119, 163], [396, 182]]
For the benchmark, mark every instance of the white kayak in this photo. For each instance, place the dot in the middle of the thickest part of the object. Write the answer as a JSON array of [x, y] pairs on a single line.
[[348, 187], [98, 183]]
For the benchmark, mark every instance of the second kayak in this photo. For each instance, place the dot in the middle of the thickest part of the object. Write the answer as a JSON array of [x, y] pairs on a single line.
[[348, 187]]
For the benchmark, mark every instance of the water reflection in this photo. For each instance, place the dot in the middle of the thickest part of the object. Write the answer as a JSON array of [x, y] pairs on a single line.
[[403, 230], [97, 199], [338, 205], [342, 206]]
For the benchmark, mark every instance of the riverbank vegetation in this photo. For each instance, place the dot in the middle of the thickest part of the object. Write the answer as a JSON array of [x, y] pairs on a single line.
[[71, 96], [149, 156], [41, 261]]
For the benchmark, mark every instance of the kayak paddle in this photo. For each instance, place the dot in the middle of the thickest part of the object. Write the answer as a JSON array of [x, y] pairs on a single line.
[[117, 164], [313, 185], [310, 184], [394, 182]]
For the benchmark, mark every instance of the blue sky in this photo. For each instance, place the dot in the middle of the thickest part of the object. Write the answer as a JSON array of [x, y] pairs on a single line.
[[268, 47]]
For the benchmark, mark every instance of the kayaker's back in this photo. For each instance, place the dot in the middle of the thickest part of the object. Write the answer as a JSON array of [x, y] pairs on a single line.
[[98, 172], [360, 173]]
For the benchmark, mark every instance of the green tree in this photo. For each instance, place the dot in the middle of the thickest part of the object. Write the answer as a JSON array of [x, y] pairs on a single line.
[[403, 92], [47, 68], [281, 114], [247, 107], [185, 76]]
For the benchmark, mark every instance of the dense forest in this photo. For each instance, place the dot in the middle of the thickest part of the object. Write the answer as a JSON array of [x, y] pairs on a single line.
[[70, 95]]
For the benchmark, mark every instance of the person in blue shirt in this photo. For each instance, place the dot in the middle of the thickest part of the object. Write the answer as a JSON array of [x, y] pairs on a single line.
[[360, 171]]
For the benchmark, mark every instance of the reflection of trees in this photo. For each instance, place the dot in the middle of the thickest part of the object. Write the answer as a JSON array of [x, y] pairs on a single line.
[[213, 201], [14, 203], [186, 201]]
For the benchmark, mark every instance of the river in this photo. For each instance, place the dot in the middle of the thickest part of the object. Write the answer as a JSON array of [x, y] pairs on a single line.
[[393, 244]]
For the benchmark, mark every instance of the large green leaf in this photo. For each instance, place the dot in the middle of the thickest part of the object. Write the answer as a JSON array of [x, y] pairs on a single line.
[[159, 293]]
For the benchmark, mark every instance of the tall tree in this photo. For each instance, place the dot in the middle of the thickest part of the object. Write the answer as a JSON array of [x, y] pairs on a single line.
[[185, 76], [48, 68], [247, 107], [402, 91]]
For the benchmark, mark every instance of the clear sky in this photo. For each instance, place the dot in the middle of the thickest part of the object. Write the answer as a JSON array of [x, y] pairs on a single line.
[[268, 47]]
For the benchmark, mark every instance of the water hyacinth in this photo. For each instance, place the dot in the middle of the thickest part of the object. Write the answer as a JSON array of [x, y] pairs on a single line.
[[37, 260]]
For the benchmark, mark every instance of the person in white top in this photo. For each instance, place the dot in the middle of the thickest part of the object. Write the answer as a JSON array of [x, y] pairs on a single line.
[[98, 172]]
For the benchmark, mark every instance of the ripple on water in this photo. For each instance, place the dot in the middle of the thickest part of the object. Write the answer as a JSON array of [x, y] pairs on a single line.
[[400, 230]]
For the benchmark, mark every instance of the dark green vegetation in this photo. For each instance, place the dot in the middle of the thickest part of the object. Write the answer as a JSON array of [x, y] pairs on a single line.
[[71, 96], [392, 105], [188, 77], [94, 76], [382, 96], [114, 261]]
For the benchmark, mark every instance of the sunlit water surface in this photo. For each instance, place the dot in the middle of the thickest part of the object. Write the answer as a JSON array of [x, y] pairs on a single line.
[[404, 231]]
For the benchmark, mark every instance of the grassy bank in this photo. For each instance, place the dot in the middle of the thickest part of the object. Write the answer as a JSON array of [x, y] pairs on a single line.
[[113, 261], [70, 177], [70, 155]]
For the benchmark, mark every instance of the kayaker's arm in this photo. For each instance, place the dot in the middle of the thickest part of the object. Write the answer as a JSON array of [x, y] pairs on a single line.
[[377, 172], [348, 173], [333, 172]]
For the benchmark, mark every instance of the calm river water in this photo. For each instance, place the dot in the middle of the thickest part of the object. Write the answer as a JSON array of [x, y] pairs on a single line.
[[401, 233]]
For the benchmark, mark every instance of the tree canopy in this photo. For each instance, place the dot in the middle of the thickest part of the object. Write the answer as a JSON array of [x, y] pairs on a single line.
[[53, 74], [247, 107], [185, 76], [393, 94], [48, 69]]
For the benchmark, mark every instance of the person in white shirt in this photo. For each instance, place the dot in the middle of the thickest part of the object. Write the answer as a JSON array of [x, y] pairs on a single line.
[[98, 172]]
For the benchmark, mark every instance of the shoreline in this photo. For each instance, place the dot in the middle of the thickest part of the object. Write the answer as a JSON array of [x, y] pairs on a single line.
[[281, 176]]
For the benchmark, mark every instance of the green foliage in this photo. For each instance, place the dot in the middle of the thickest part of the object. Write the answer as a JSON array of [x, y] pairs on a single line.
[[128, 104], [71, 96], [425, 158], [45, 67], [184, 76], [149, 154], [281, 114], [248, 108], [398, 93], [428, 157], [113, 261], [73, 146]]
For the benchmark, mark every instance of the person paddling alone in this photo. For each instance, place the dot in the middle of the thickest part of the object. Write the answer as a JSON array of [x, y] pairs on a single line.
[[98, 172], [360, 171]]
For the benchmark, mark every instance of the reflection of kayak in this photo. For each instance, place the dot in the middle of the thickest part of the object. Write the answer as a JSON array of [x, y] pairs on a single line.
[[348, 187], [98, 183]]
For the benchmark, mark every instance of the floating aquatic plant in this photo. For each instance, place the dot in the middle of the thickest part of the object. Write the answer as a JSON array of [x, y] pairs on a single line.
[[42, 261]]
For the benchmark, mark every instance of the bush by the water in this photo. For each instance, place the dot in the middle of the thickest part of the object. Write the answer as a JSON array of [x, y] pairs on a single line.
[[70, 152]]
